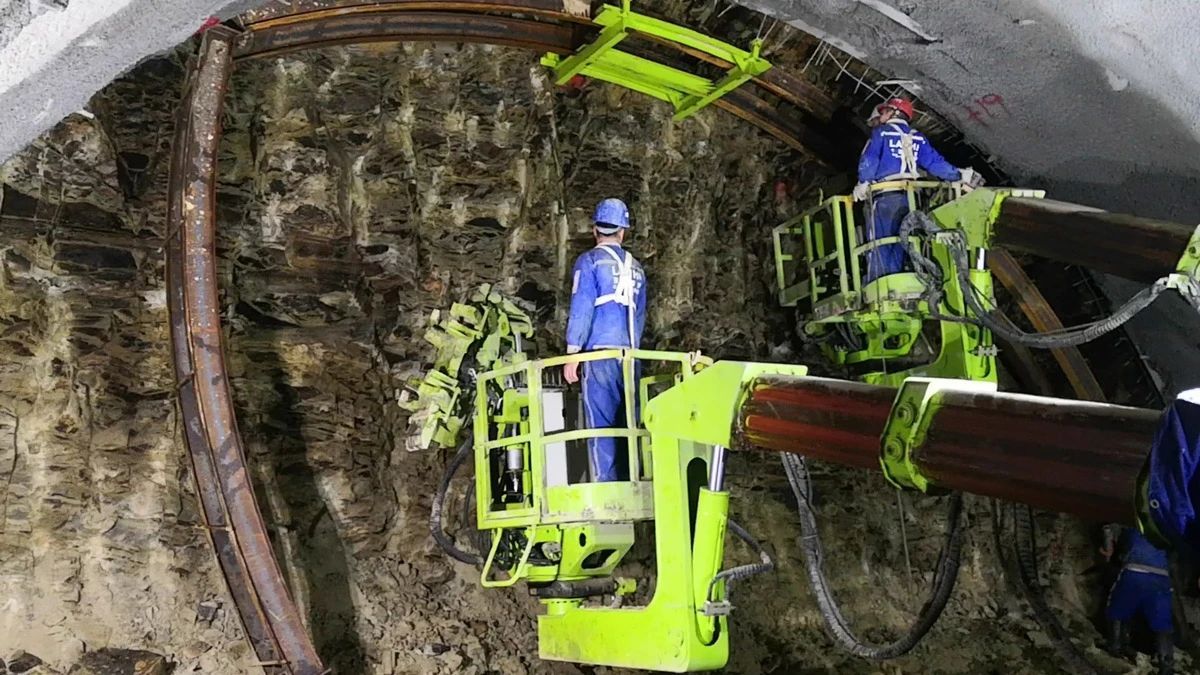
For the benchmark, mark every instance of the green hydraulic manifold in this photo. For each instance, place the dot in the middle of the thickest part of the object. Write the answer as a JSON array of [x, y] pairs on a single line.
[[688, 93], [566, 538], [480, 334], [820, 267]]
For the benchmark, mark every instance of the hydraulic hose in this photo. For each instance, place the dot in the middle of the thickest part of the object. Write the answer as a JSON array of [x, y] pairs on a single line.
[[439, 504], [930, 274], [945, 574], [733, 574], [1022, 570]]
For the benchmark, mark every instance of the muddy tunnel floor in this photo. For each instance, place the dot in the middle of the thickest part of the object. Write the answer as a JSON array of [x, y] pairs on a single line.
[[360, 189]]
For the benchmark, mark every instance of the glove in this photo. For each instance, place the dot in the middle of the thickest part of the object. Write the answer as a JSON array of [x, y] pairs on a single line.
[[861, 191], [970, 177]]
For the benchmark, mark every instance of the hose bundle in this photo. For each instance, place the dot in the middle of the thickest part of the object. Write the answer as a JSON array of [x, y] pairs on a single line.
[[930, 273], [439, 504], [945, 574]]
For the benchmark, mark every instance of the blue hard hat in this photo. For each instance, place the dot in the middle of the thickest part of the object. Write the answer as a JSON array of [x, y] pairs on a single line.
[[613, 213]]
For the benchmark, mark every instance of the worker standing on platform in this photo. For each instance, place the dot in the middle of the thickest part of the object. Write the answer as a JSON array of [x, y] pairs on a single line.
[[895, 151], [608, 310], [1143, 587]]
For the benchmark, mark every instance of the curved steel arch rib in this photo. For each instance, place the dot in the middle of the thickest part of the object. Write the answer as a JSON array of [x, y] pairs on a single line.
[[270, 618]]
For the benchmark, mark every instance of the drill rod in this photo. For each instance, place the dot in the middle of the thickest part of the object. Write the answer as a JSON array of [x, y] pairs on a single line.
[[1141, 249], [1061, 455]]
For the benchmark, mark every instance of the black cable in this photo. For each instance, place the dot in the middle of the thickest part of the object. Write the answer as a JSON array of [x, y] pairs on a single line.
[[930, 274], [945, 574], [741, 572], [1022, 570], [439, 504]]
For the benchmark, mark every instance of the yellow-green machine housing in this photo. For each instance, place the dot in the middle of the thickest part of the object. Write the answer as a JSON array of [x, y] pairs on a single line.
[[818, 267], [572, 535]]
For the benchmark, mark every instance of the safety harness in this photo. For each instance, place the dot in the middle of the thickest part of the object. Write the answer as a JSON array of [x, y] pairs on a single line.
[[625, 292], [908, 152]]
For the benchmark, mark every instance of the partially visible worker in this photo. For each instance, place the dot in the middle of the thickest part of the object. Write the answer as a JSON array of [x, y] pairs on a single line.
[[1143, 588], [608, 310], [1173, 475], [896, 151]]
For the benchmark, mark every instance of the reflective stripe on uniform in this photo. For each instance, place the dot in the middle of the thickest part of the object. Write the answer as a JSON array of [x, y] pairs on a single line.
[[1146, 569]]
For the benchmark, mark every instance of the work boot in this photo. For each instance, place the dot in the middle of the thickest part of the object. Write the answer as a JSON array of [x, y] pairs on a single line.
[[1115, 642], [1164, 652]]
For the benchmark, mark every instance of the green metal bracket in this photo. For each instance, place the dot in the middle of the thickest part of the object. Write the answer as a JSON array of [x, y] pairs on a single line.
[[913, 410], [702, 408], [688, 93], [1189, 262]]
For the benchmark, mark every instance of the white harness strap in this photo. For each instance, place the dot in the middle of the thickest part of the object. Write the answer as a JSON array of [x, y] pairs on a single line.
[[625, 291], [623, 294], [908, 153]]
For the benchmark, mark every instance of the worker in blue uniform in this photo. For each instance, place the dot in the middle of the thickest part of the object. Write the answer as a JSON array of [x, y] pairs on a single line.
[[896, 151], [608, 310], [1143, 587]]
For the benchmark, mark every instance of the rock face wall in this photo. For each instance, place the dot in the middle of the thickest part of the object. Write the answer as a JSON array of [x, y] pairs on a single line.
[[361, 188]]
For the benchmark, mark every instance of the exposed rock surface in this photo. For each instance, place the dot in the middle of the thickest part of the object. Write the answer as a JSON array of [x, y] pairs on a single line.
[[361, 188]]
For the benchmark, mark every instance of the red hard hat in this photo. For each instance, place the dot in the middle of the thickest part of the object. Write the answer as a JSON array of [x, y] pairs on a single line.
[[899, 104]]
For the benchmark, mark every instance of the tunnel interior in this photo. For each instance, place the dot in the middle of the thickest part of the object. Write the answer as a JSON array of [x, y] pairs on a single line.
[[359, 187]]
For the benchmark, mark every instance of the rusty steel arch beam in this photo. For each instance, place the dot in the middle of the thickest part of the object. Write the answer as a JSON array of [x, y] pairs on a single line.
[[799, 118], [1033, 305], [796, 90], [269, 616]]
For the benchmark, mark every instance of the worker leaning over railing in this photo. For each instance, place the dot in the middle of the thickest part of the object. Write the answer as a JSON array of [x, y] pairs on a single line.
[[608, 310], [896, 151]]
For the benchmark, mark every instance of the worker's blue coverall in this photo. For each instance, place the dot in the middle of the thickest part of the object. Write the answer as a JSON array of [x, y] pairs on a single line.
[[1174, 474], [1144, 585], [883, 159], [608, 310]]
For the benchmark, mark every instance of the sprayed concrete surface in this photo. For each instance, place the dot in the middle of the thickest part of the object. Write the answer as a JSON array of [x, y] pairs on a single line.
[[55, 55]]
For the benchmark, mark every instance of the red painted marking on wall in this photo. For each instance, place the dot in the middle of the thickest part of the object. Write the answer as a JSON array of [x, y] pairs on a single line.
[[985, 108]]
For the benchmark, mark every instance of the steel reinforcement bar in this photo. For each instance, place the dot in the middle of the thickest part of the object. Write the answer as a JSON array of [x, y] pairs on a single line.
[[231, 515]]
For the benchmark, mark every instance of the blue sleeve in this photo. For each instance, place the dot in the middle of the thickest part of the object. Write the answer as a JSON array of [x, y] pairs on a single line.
[[583, 304], [639, 315], [932, 162], [868, 162]]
